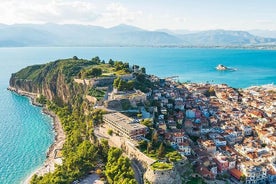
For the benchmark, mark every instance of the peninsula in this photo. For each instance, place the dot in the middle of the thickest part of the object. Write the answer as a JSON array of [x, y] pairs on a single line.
[[130, 127]]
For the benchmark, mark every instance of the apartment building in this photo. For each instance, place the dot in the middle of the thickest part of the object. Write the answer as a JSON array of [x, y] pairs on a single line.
[[124, 125]]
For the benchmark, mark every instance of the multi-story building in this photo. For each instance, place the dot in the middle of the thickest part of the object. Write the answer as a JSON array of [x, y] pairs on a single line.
[[222, 163], [184, 148], [247, 130], [124, 125], [254, 174], [208, 145]]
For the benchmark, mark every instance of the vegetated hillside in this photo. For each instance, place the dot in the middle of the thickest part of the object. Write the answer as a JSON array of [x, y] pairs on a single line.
[[121, 35], [55, 80], [82, 152]]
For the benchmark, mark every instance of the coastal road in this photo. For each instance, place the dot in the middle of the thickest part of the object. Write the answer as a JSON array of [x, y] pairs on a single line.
[[138, 172], [92, 179]]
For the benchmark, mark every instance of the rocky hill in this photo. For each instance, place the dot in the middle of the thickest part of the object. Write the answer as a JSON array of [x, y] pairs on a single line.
[[53, 80], [65, 80]]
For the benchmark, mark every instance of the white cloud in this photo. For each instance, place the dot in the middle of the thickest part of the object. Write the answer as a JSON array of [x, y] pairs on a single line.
[[116, 13], [146, 14], [56, 11], [67, 11]]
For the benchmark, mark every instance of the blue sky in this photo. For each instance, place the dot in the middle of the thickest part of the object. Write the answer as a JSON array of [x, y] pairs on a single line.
[[148, 14]]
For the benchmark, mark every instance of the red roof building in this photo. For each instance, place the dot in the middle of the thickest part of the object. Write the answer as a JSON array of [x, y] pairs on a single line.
[[236, 173]]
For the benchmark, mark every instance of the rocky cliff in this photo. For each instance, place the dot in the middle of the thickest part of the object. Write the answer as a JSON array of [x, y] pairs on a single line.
[[53, 80], [63, 80]]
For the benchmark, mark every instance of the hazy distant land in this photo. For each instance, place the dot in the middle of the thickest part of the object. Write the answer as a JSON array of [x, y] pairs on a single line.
[[29, 35]]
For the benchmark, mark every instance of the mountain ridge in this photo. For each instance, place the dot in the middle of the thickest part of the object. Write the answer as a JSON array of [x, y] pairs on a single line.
[[121, 35]]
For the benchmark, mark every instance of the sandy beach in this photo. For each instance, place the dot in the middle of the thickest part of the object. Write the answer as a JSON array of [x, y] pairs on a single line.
[[49, 164]]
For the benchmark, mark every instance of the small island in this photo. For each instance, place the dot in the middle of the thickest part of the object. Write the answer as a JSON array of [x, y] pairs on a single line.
[[221, 67]]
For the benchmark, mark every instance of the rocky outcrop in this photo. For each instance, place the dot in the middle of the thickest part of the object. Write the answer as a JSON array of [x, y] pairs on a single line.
[[162, 176], [26, 85], [122, 104], [55, 88], [167, 176], [53, 80]]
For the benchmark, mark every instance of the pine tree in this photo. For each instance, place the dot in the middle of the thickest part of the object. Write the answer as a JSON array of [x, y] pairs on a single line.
[[149, 147], [161, 150]]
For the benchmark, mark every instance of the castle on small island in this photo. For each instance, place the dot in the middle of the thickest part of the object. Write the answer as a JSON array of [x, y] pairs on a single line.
[[221, 67]]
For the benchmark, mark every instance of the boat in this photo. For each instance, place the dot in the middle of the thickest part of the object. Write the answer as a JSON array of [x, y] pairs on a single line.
[[221, 67]]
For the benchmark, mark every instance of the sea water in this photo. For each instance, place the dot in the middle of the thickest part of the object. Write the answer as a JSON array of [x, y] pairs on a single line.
[[26, 133]]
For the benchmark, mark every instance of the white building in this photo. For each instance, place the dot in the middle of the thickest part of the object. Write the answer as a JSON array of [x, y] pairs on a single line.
[[185, 148], [254, 174], [124, 125], [247, 130]]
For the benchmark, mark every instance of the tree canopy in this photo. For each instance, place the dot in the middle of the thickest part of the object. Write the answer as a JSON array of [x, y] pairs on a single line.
[[118, 168]]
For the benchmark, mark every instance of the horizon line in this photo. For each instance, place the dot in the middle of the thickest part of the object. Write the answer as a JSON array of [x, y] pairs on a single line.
[[135, 26]]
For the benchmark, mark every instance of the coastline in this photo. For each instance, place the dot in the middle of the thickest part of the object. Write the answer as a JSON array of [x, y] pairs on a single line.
[[49, 163]]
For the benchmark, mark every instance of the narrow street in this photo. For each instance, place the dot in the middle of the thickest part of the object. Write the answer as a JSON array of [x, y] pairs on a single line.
[[138, 172]]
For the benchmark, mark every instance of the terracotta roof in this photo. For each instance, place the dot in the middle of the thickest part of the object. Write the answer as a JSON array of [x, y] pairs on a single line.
[[203, 171], [271, 171], [236, 173]]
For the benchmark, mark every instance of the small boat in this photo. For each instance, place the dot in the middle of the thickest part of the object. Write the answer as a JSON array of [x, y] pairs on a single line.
[[221, 67]]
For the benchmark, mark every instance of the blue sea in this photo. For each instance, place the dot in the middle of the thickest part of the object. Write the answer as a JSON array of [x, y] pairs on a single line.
[[26, 133]]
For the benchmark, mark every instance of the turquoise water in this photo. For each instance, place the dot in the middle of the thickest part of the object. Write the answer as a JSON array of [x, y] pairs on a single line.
[[26, 134]]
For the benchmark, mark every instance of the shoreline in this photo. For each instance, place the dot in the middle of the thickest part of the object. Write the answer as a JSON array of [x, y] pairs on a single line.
[[49, 163]]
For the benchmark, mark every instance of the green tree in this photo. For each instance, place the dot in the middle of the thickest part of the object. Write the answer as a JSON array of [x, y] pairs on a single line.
[[143, 145], [94, 72], [130, 84], [103, 149], [116, 82], [147, 122], [143, 70], [110, 132], [243, 178], [154, 138], [111, 62], [161, 151], [42, 99], [149, 147], [96, 60], [118, 168], [135, 67]]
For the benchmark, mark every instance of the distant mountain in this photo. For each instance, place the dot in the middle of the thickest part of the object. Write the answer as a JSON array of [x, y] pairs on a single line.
[[125, 28], [177, 32], [224, 38], [263, 33], [121, 35]]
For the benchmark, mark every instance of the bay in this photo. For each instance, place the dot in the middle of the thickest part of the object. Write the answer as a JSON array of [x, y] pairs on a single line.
[[26, 133]]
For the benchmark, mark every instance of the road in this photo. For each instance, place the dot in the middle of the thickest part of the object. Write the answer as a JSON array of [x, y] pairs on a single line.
[[92, 179], [138, 172], [101, 132]]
